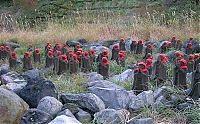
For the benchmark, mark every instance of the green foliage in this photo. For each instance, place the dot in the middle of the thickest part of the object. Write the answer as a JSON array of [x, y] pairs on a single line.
[[5, 3]]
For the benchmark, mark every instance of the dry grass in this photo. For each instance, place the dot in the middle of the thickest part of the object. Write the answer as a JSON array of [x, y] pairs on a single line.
[[114, 26]]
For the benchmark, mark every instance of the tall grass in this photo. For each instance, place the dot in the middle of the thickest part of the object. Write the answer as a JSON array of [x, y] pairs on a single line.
[[103, 25]]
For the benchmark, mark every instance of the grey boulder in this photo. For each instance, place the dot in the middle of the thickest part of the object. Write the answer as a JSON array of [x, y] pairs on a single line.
[[12, 107], [50, 105], [113, 98], [33, 74], [124, 76], [64, 120], [141, 121], [67, 113], [83, 117], [104, 84], [35, 116], [4, 68], [94, 76], [88, 101], [109, 116]]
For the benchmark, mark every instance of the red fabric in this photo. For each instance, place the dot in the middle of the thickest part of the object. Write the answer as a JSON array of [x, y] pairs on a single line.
[[140, 42], [14, 56], [174, 37], [189, 45], [150, 47], [37, 51], [27, 54], [70, 51], [64, 58], [144, 70], [92, 52], [122, 40], [163, 58], [121, 55], [165, 44], [2, 48], [149, 62], [58, 53], [191, 58], [183, 63], [136, 70], [79, 53], [78, 46], [142, 64], [149, 56], [50, 53], [75, 58], [8, 48], [105, 53], [105, 61], [170, 44], [87, 54]]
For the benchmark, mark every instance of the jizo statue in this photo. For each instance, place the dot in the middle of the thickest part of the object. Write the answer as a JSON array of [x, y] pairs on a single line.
[[140, 83], [56, 59], [179, 44], [173, 41], [139, 47], [7, 51], [122, 44], [121, 59], [74, 64], [36, 56], [133, 46], [63, 64], [195, 85], [180, 72], [104, 67], [27, 64], [189, 49], [148, 50], [92, 56], [49, 59], [13, 60], [115, 52], [191, 63], [164, 47], [86, 66], [149, 65], [2, 52], [159, 71]]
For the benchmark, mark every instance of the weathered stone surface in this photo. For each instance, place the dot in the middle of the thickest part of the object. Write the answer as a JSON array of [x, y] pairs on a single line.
[[141, 121], [185, 105], [143, 99], [50, 105], [83, 117], [72, 107], [33, 74], [124, 76], [88, 101], [163, 91], [4, 68], [104, 84], [34, 92], [35, 116], [113, 98], [12, 107], [161, 99], [13, 81], [64, 120], [109, 116], [94, 76], [67, 113]]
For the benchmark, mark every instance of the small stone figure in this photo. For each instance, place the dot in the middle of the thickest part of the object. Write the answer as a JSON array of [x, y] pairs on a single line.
[[36, 56], [169, 46], [13, 60], [49, 59], [195, 85], [76, 48], [64, 49], [173, 41], [148, 50], [63, 64], [139, 47], [7, 52], [164, 47], [179, 44], [149, 65], [140, 83], [159, 71], [122, 44], [2, 52], [56, 59], [180, 74], [57, 47], [191, 63], [73, 65], [92, 56], [196, 60], [133, 46], [148, 56], [121, 59], [104, 53], [79, 56], [86, 62], [47, 48], [27, 65], [71, 54], [188, 49], [115, 52], [104, 68]]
